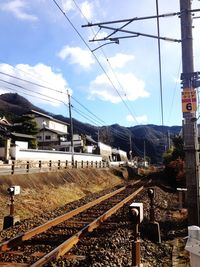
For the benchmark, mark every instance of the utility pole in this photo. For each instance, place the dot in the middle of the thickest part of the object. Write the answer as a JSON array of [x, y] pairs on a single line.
[[168, 140], [71, 127], [130, 150], [190, 132], [190, 80]]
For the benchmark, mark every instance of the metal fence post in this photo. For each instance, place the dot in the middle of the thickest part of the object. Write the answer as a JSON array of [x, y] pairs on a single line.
[[27, 166], [58, 164], [50, 165], [40, 165], [13, 167], [66, 164]]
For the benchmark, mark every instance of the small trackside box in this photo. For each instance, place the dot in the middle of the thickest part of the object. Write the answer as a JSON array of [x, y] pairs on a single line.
[[14, 190], [136, 209]]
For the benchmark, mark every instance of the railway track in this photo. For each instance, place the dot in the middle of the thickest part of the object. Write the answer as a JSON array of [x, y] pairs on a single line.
[[56, 237]]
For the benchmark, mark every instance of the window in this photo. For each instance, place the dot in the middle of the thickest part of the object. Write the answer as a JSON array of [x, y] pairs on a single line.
[[39, 137], [47, 137]]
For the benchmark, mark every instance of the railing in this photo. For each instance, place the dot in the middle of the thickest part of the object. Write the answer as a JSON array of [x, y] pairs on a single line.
[[21, 167]]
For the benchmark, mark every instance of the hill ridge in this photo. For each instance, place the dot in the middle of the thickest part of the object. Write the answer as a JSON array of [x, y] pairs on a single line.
[[153, 138]]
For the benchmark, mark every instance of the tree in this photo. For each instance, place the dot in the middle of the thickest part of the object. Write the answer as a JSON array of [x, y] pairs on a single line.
[[174, 162], [105, 135], [174, 152], [178, 151], [26, 125]]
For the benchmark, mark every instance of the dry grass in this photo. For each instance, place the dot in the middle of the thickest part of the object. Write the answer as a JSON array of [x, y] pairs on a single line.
[[47, 191]]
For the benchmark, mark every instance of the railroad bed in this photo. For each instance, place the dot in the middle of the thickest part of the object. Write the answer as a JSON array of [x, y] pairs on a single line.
[[44, 244], [110, 244]]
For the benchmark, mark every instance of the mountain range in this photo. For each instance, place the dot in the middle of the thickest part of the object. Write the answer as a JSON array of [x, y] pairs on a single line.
[[143, 140]]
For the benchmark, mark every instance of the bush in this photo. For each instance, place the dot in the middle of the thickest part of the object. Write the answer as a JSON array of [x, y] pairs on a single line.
[[175, 173]]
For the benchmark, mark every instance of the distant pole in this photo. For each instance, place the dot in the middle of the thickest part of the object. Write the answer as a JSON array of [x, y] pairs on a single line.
[[43, 127], [130, 141], [98, 133], [71, 127], [168, 140], [190, 125]]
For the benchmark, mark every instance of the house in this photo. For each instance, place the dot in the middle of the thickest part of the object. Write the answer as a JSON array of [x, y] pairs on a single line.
[[52, 131], [81, 143], [5, 127], [9, 138], [119, 155]]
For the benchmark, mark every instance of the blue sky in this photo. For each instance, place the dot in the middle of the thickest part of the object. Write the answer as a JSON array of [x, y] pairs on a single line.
[[118, 83]]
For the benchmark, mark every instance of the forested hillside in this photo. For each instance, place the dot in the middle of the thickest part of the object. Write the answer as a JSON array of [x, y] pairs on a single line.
[[151, 140]]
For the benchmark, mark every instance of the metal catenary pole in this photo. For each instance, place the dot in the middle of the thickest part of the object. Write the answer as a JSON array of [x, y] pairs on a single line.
[[190, 123], [189, 79]]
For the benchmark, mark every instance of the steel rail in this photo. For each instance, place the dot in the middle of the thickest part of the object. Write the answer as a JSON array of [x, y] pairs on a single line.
[[8, 264], [69, 243], [7, 245]]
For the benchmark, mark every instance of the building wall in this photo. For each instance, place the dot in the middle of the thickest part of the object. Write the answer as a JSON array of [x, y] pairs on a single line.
[[105, 151], [47, 136], [57, 126], [53, 125], [32, 154], [123, 155]]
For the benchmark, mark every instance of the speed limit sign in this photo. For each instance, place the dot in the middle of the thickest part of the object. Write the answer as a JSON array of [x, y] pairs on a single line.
[[189, 100]]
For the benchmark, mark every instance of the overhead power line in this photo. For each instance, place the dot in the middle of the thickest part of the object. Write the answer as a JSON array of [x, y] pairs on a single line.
[[159, 63], [102, 68], [107, 60], [37, 84], [101, 121], [48, 88], [24, 88]]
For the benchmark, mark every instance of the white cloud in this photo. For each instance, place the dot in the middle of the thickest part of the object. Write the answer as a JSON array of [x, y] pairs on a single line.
[[38, 74], [17, 8], [138, 120], [133, 88], [76, 55], [120, 60], [67, 5], [87, 9]]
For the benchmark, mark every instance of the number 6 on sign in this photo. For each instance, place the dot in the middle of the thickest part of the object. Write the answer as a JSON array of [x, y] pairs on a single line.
[[189, 106], [189, 100]]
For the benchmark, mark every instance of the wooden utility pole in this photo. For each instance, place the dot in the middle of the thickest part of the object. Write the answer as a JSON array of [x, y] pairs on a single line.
[[190, 131], [71, 128]]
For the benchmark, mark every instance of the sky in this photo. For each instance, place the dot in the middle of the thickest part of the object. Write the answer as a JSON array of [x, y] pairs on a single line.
[[46, 54]]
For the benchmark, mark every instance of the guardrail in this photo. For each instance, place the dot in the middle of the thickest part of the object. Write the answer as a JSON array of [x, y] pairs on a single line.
[[19, 167]]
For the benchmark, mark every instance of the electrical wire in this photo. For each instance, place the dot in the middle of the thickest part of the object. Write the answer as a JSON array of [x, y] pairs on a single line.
[[87, 109], [173, 97], [87, 116], [52, 89], [159, 61], [118, 134], [15, 90], [46, 99], [147, 134], [37, 84], [22, 87], [102, 68], [119, 83]]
